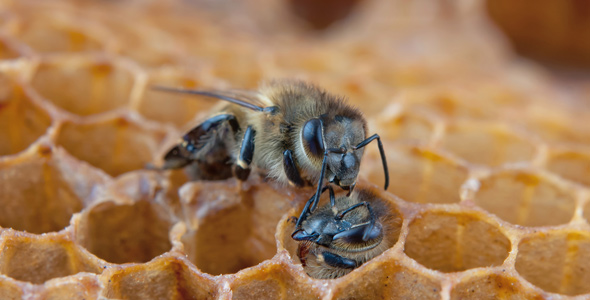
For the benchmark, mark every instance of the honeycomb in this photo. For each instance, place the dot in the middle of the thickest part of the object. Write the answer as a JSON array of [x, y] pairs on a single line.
[[489, 154]]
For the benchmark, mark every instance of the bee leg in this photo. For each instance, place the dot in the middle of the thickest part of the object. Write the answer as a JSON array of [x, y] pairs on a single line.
[[368, 229], [381, 151], [332, 197], [242, 168], [304, 212], [291, 170], [337, 261]]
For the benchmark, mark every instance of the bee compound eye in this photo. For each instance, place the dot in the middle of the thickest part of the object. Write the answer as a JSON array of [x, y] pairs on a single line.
[[312, 137]]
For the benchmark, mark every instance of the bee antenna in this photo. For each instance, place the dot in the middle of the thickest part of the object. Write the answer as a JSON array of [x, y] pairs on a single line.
[[381, 151], [306, 210], [209, 94]]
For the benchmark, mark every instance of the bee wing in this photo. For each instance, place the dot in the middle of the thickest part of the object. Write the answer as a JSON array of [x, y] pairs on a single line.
[[249, 96], [206, 141], [249, 99]]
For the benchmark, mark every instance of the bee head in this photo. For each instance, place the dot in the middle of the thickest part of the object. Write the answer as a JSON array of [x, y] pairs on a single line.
[[335, 138], [351, 228]]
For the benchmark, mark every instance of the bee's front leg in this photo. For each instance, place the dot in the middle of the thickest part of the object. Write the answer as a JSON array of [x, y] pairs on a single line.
[[242, 168]]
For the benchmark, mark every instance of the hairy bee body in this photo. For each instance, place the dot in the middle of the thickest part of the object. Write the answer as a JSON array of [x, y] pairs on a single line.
[[286, 129], [297, 102], [331, 247]]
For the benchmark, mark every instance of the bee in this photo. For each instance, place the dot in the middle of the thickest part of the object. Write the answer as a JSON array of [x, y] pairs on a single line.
[[345, 233], [295, 131]]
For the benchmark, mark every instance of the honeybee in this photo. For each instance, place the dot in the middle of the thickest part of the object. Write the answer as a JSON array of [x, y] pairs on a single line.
[[296, 132], [344, 234]]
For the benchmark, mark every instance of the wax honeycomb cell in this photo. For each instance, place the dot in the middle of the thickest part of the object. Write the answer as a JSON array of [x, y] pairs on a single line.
[[451, 242], [492, 286], [421, 175], [37, 259], [487, 145], [95, 84], [115, 145], [38, 194], [241, 223], [165, 277], [104, 231], [526, 199], [275, 282], [556, 261]]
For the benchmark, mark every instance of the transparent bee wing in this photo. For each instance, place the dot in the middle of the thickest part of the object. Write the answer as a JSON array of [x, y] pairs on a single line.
[[248, 99]]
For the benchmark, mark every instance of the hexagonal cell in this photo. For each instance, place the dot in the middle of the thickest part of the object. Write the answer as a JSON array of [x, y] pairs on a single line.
[[125, 232], [388, 280], [556, 261], [231, 229], [406, 127], [272, 281], [389, 218], [115, 145], [37, 259], [79, 286], [525, 199], [571, 165], [177, 109], [94, 85], [47, 33], [453, 242], [40, 193], [21, 120], [492, 287], [9, 289], [416, 175], [166, 277], [484, 144]]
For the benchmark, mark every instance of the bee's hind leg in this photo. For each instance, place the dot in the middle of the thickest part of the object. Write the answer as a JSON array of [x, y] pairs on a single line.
[[242, 167]]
